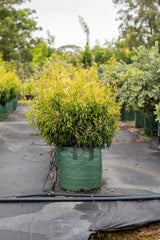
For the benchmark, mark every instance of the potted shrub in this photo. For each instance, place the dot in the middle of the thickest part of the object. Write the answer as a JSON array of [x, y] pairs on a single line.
[[28, 89], [77, 114], [141, 85], [9, 89], [115, 72]]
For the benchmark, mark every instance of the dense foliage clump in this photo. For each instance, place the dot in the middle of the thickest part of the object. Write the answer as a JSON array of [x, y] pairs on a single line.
[[140, 81], [72, 107], [9, 84]]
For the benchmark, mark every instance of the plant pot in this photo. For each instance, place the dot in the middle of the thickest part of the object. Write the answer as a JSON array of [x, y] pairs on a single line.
[[139, 119], [29, 97], [10, 106], [151, 126], [14, 103], [3, 111], [80, 169]]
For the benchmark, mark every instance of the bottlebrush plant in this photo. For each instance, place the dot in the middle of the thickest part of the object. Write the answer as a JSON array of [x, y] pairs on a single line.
[[73, 107]]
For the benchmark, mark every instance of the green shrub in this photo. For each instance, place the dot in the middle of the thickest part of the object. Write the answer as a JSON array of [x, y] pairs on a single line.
[[140, 82], [157, 112], [72, 107], [28, 87], [9, 85]]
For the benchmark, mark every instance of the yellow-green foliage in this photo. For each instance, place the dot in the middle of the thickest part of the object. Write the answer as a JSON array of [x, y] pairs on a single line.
[[72, 107], [9, 85], [28, 87], [157, 112]]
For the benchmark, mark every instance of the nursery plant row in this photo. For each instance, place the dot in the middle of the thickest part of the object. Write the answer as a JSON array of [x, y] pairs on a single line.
[[148, 123], [8, 108], [9, 90]]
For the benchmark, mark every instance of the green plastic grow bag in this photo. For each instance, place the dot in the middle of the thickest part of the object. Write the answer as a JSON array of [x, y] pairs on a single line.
[[14, 103], [151, 126], [127, 113], [10, 106], [80, 169], [3, 112], [139, 119]]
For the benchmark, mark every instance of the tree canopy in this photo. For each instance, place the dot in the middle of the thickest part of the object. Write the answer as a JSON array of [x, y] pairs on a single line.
[[16, 27], [140, 21], [7, 2]]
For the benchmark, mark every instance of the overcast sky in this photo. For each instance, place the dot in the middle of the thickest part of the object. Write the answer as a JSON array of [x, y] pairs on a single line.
[[60, 17]]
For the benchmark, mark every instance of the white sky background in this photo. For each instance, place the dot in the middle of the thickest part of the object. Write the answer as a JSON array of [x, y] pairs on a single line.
[[60, 17]]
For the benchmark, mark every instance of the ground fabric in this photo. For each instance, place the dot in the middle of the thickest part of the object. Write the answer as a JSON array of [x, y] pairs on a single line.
[[130, 167], [72, 221]]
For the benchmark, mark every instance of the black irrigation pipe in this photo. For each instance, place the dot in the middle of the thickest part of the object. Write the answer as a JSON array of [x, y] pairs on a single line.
[[80, 199], [73, 195], [154, 145], [52, 167], [150, 142]]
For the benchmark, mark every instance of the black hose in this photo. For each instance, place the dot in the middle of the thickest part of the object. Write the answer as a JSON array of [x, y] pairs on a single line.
[[52, 194], [52, 167], [154, 145], [80, 199]]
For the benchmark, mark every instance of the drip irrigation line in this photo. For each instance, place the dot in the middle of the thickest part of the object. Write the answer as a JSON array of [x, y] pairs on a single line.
[[51, 168], [80, 199], [73, 195], [154, 145]]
